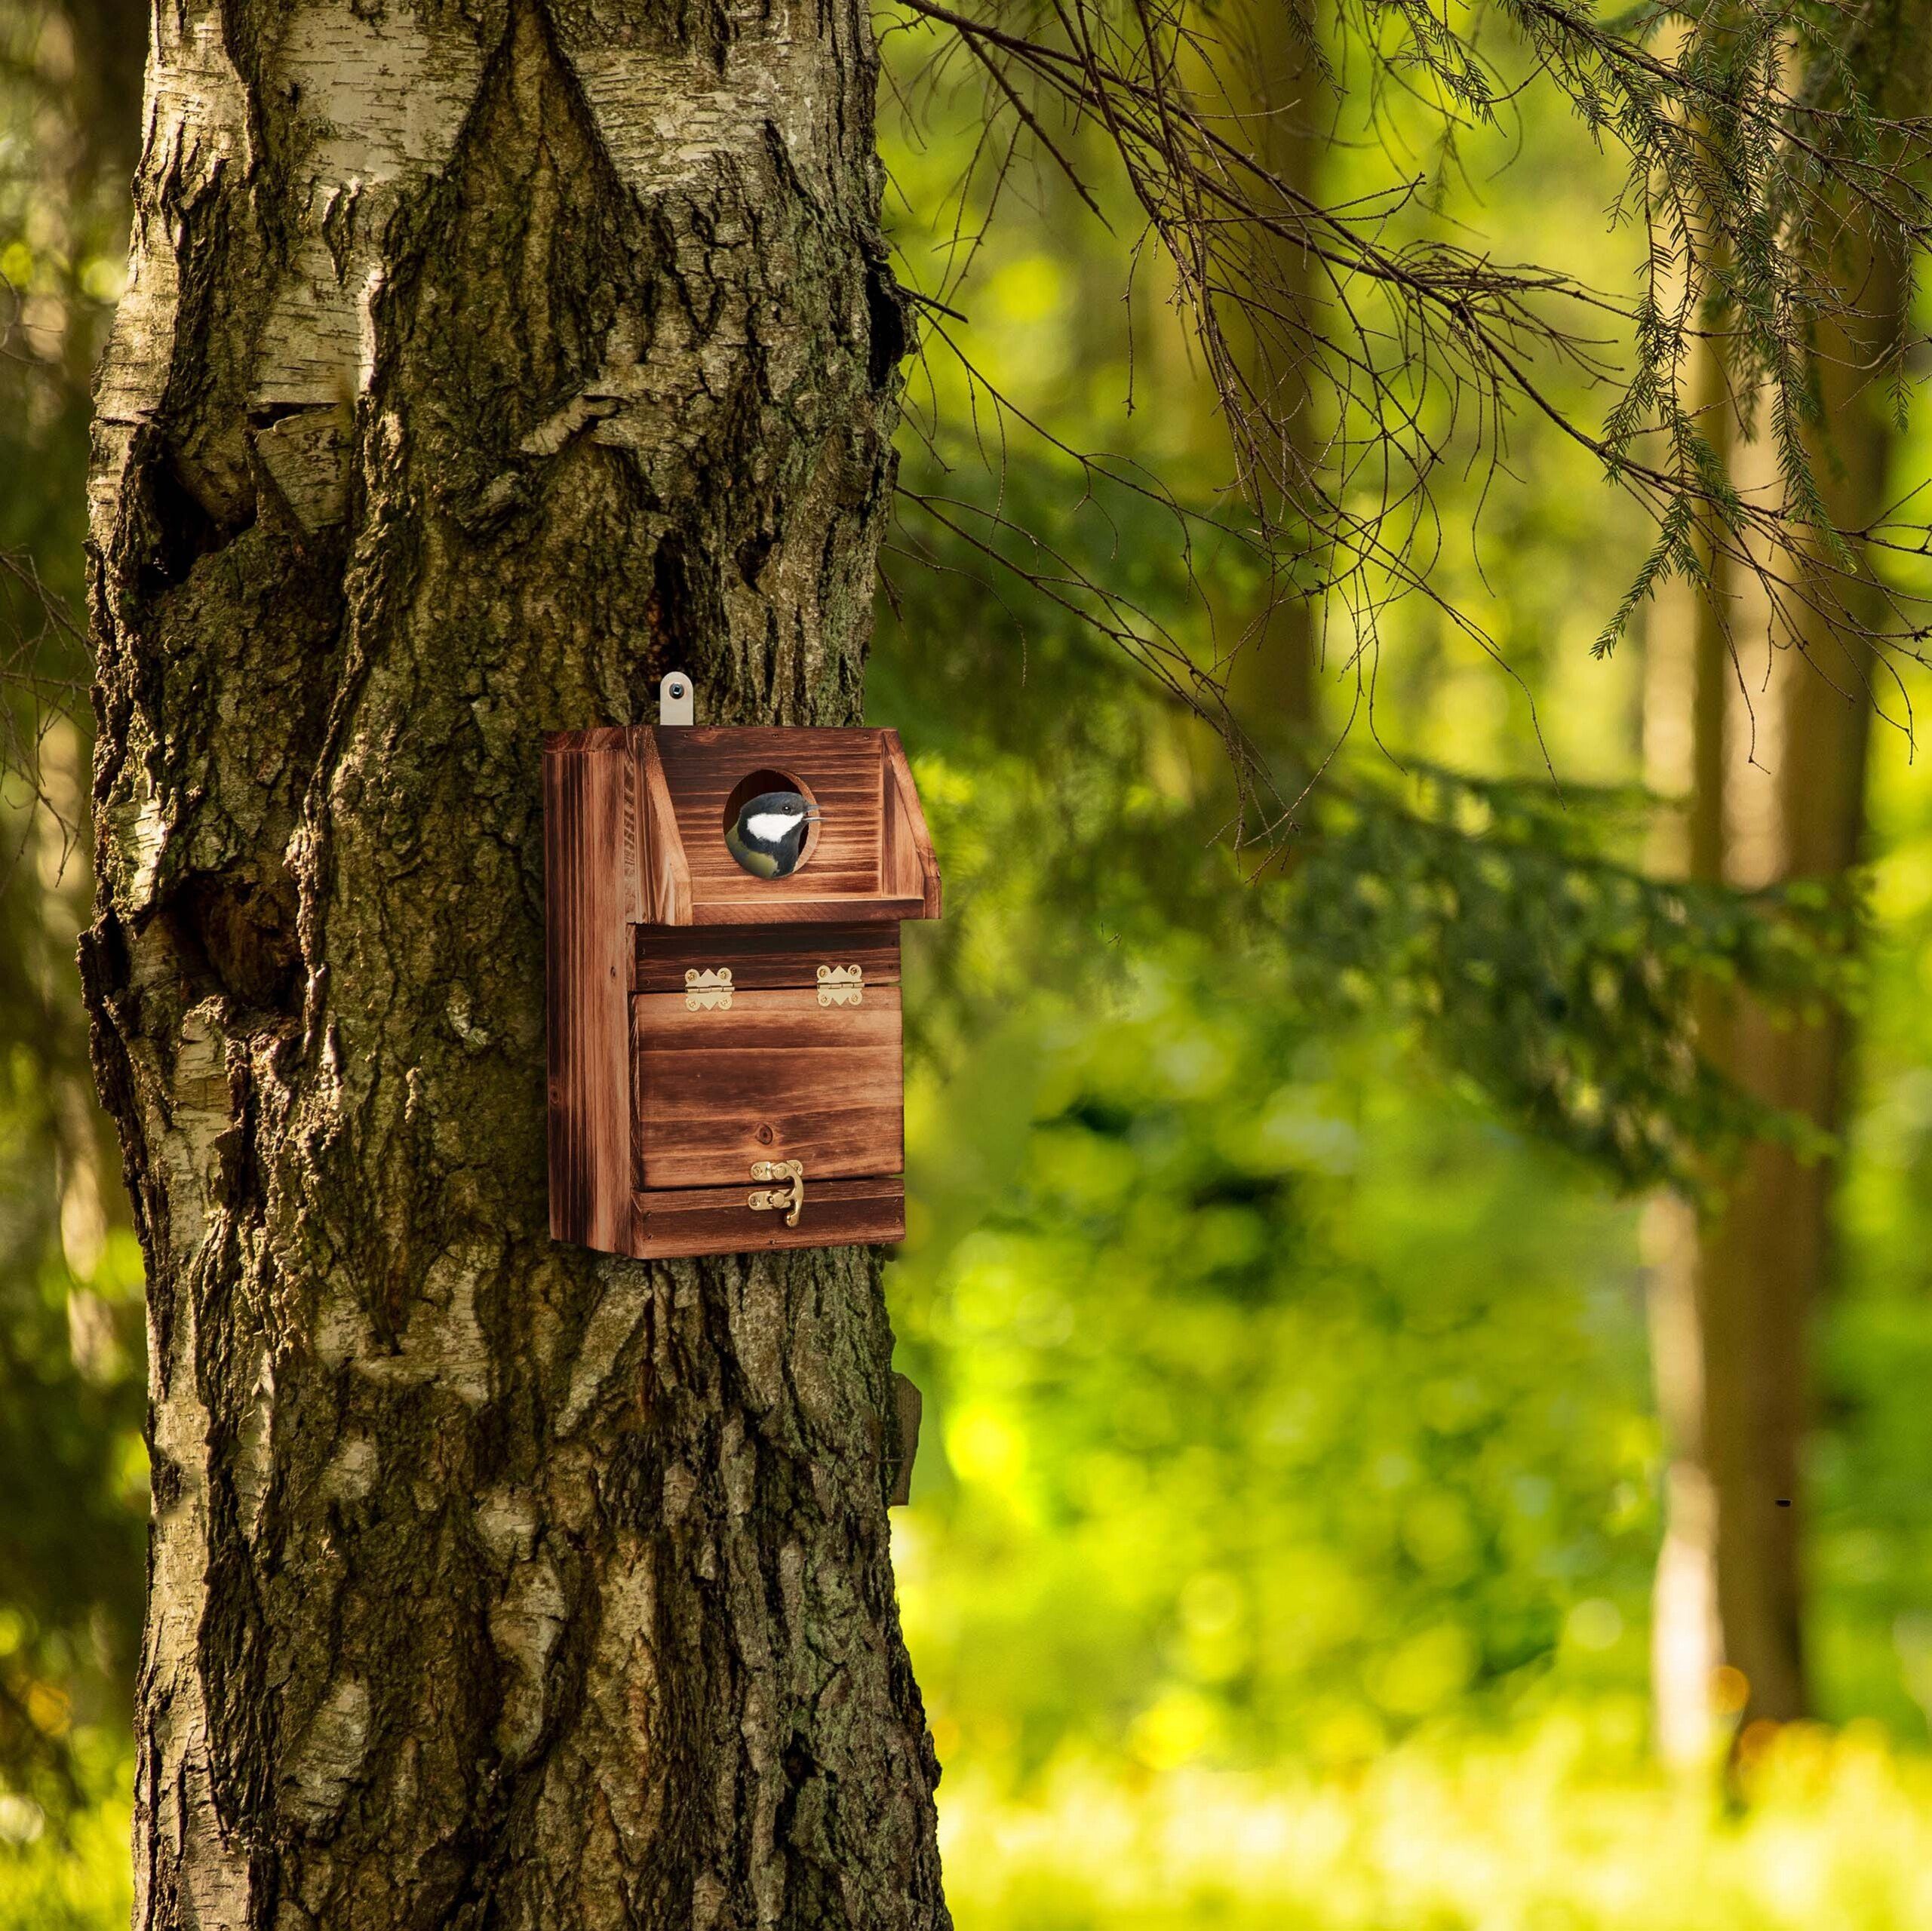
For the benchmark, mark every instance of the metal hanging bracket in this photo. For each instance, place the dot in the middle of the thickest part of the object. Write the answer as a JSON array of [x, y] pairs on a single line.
[[676, 701]]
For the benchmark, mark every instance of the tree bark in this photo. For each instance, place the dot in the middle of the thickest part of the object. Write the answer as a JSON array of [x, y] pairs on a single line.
[[479, 364], [1778, 795], [1273, 82], [1689, 680]]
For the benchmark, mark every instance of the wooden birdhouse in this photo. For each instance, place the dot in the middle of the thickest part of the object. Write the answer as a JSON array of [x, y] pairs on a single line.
[[725, 1070]]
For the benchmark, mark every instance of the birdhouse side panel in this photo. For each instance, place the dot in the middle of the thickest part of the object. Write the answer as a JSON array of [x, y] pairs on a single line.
[[664, 874], [589, 864], [907, 870]]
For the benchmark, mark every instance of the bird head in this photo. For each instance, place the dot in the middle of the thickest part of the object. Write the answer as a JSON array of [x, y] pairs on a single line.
[[768, 836]]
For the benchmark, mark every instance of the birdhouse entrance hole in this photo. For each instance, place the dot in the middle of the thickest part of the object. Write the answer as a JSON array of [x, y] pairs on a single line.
[[755, 786]]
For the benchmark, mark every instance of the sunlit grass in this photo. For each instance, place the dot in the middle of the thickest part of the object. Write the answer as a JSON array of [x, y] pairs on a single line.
[[1559, 1829], [1534, 1835]]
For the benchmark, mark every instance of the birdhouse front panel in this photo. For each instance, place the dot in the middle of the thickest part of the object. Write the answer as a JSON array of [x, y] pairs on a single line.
[[723, 942], [704, 1098], [710, 775]]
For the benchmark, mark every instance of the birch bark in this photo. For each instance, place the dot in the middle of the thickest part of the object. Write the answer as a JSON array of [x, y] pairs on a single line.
[[1778, 738], [482, 360]]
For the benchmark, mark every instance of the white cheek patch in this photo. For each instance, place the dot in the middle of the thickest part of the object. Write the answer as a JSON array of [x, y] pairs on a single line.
[[771, 826]]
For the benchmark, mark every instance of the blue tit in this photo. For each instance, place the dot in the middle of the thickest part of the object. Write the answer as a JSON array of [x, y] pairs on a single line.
[[768, 836]]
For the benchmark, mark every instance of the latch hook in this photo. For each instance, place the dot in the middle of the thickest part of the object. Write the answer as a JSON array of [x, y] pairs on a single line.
[[793, 1198]]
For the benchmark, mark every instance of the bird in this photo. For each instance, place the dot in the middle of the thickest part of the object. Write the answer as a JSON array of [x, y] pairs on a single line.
[[768, 836]]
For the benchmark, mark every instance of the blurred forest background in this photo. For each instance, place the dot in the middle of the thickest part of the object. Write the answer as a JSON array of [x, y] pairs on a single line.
[[1313, 1505]]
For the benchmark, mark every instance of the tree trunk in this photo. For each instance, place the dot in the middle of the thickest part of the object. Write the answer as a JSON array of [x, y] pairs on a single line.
[[1689, 677], [1779, 758], [479, 364], [1274, 83]]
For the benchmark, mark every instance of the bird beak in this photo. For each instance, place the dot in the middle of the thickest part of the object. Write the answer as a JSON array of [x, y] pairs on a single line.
[[812, 812]]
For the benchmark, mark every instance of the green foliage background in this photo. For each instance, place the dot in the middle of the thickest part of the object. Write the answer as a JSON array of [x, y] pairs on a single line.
[[1281, 1531]]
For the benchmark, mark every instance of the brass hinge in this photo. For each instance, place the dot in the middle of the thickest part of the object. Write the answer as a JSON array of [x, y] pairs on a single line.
[[708, 991], [841, 985], [792, 1197]]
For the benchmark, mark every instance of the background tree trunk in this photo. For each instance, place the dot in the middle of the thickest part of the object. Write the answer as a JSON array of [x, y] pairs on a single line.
[[1261, 79], [1275, 84], [1689, 681], [1777, 756], [478, 365]]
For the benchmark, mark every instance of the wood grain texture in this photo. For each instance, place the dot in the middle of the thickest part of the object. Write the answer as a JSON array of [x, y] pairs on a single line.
[[586, 821], [841, 769], [677, 1223], [872, 859], [884, 910], [665, 876], [907, 865], [761, 956], [779, 1077]]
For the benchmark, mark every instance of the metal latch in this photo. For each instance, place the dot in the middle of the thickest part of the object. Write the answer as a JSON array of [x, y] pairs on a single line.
[[707, 991], [792, 1197], [841, 985]]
